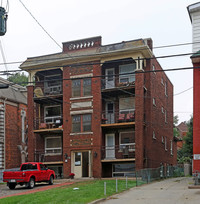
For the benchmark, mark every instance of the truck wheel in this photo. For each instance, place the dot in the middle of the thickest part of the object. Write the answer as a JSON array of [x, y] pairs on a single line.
[[51, 180], [12, 185], [31, 183]]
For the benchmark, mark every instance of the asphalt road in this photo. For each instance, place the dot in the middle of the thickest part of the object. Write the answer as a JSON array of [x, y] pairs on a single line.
[[169, 191]]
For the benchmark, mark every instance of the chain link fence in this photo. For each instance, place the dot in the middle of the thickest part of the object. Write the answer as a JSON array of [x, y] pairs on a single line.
[[149, 175]]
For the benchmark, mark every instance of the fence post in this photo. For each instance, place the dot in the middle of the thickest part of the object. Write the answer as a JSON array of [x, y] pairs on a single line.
[[126, 182], [105, 188], [116, 186], [136, 178]]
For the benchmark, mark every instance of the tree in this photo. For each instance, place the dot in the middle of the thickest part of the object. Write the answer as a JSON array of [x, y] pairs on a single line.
[[18, 78], [185, 154], [175, 131]]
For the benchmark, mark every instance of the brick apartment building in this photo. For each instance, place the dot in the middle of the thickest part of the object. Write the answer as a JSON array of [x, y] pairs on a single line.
[[182, 129], [13, 140], [96, 111]]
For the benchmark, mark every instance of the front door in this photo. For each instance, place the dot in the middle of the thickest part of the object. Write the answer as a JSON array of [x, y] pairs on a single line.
[[110, 146], [110, 112], [110, 78], [81, 165]]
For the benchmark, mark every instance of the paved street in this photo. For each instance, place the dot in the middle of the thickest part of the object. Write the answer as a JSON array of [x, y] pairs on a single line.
[[170, 191]]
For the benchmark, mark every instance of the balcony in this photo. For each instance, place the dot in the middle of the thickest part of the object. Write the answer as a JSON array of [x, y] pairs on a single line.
[[106, 85], [123, 116], [118, 152], [54, 123], [51, 157]]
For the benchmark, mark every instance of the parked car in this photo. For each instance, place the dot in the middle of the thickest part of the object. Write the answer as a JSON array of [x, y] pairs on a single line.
[[28, 174]]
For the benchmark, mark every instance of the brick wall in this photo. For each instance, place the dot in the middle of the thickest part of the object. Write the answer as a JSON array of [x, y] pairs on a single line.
[[13, 134], [95, 137]]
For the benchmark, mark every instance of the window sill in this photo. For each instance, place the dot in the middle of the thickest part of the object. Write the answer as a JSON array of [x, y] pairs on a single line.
[[52, 154], [81, 133], [81, 97]]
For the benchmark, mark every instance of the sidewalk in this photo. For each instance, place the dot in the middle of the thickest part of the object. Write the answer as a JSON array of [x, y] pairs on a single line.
[[169, 191]]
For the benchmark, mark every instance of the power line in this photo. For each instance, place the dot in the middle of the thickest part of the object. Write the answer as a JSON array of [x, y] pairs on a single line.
[[40, 24], [183, 91]]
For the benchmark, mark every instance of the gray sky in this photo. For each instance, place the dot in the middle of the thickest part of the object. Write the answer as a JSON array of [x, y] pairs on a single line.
[[165, 21]]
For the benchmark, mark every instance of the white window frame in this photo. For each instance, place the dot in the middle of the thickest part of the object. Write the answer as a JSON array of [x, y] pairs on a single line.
[[165, 116], [154, 102], [153, 68], [58, 148], [53, 118], [165, 88], [129, 76], [163, 140], [162, 81], [165, 143], [162, 109], [171, 147], [126, 144], [154, 135]]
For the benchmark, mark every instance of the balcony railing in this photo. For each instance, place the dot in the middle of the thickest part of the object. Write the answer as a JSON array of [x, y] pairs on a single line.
[[42, 156], [118, 117], [48, 122], [108, 85], [122, 151], [47, 90]]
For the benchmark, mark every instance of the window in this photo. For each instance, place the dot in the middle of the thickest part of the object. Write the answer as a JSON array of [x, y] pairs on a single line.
[[153, 68], [162, 109], [86, 87], [166, 88], [86, 123], [81, 123], [162, 81], [165, 116], [123, 169], [127, 138], [29, 167], [53, 84], [154, 135], [165, 143], [162, 139], [81, 87], [171, 147], [154, 101], [53, 145], [77, 158], [76, 123], [124, 73], [127, 105], [52, 113], [43, 167]]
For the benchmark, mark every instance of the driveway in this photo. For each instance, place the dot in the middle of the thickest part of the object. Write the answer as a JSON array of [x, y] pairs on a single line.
[[21, 190], [169, 191]]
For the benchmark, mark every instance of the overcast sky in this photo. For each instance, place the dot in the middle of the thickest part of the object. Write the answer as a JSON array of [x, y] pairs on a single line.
[[165, 21]]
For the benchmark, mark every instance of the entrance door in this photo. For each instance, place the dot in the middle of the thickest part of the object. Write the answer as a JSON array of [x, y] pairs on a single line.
[[110, 112], [81, 164], [110, 146], [110, 78]]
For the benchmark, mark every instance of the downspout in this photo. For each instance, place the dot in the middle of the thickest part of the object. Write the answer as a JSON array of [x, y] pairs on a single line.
[[4, 103]]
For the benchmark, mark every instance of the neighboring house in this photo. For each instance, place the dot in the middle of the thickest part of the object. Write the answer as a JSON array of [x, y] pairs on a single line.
[[182, 129], [194, 13], [13, 111], [94, 112]]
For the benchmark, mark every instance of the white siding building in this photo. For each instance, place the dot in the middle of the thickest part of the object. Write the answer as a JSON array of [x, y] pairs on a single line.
[[194, 12]]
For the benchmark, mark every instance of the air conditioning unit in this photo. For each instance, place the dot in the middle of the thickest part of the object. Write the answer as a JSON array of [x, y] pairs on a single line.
[[55, 89]]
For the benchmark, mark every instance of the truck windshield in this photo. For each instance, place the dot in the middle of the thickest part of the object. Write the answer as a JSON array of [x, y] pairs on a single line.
[[29, 167]]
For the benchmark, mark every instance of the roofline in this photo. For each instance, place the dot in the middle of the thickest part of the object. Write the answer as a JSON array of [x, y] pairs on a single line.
[[189, 7]]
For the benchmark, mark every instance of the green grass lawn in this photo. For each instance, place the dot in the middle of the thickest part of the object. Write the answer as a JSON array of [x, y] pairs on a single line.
[[87, 192]]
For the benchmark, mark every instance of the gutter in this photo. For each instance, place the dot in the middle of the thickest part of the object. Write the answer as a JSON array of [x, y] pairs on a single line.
[[4, 103]]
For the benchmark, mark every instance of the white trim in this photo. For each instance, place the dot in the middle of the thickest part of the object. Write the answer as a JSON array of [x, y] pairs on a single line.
[[81, 97], [81, 112], [154, 135], [81, 76], [81, 133]]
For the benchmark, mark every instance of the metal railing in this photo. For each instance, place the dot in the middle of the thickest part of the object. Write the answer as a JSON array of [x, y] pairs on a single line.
[[42, 156], [123, 151], [105, 84], [118, 117], [48, 122]]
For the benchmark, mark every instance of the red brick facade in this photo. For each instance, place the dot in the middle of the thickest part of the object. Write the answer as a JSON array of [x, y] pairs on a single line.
[[131, 114]]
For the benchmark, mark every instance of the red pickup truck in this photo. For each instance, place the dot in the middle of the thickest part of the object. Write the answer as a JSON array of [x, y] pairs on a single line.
[[28, 174]]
